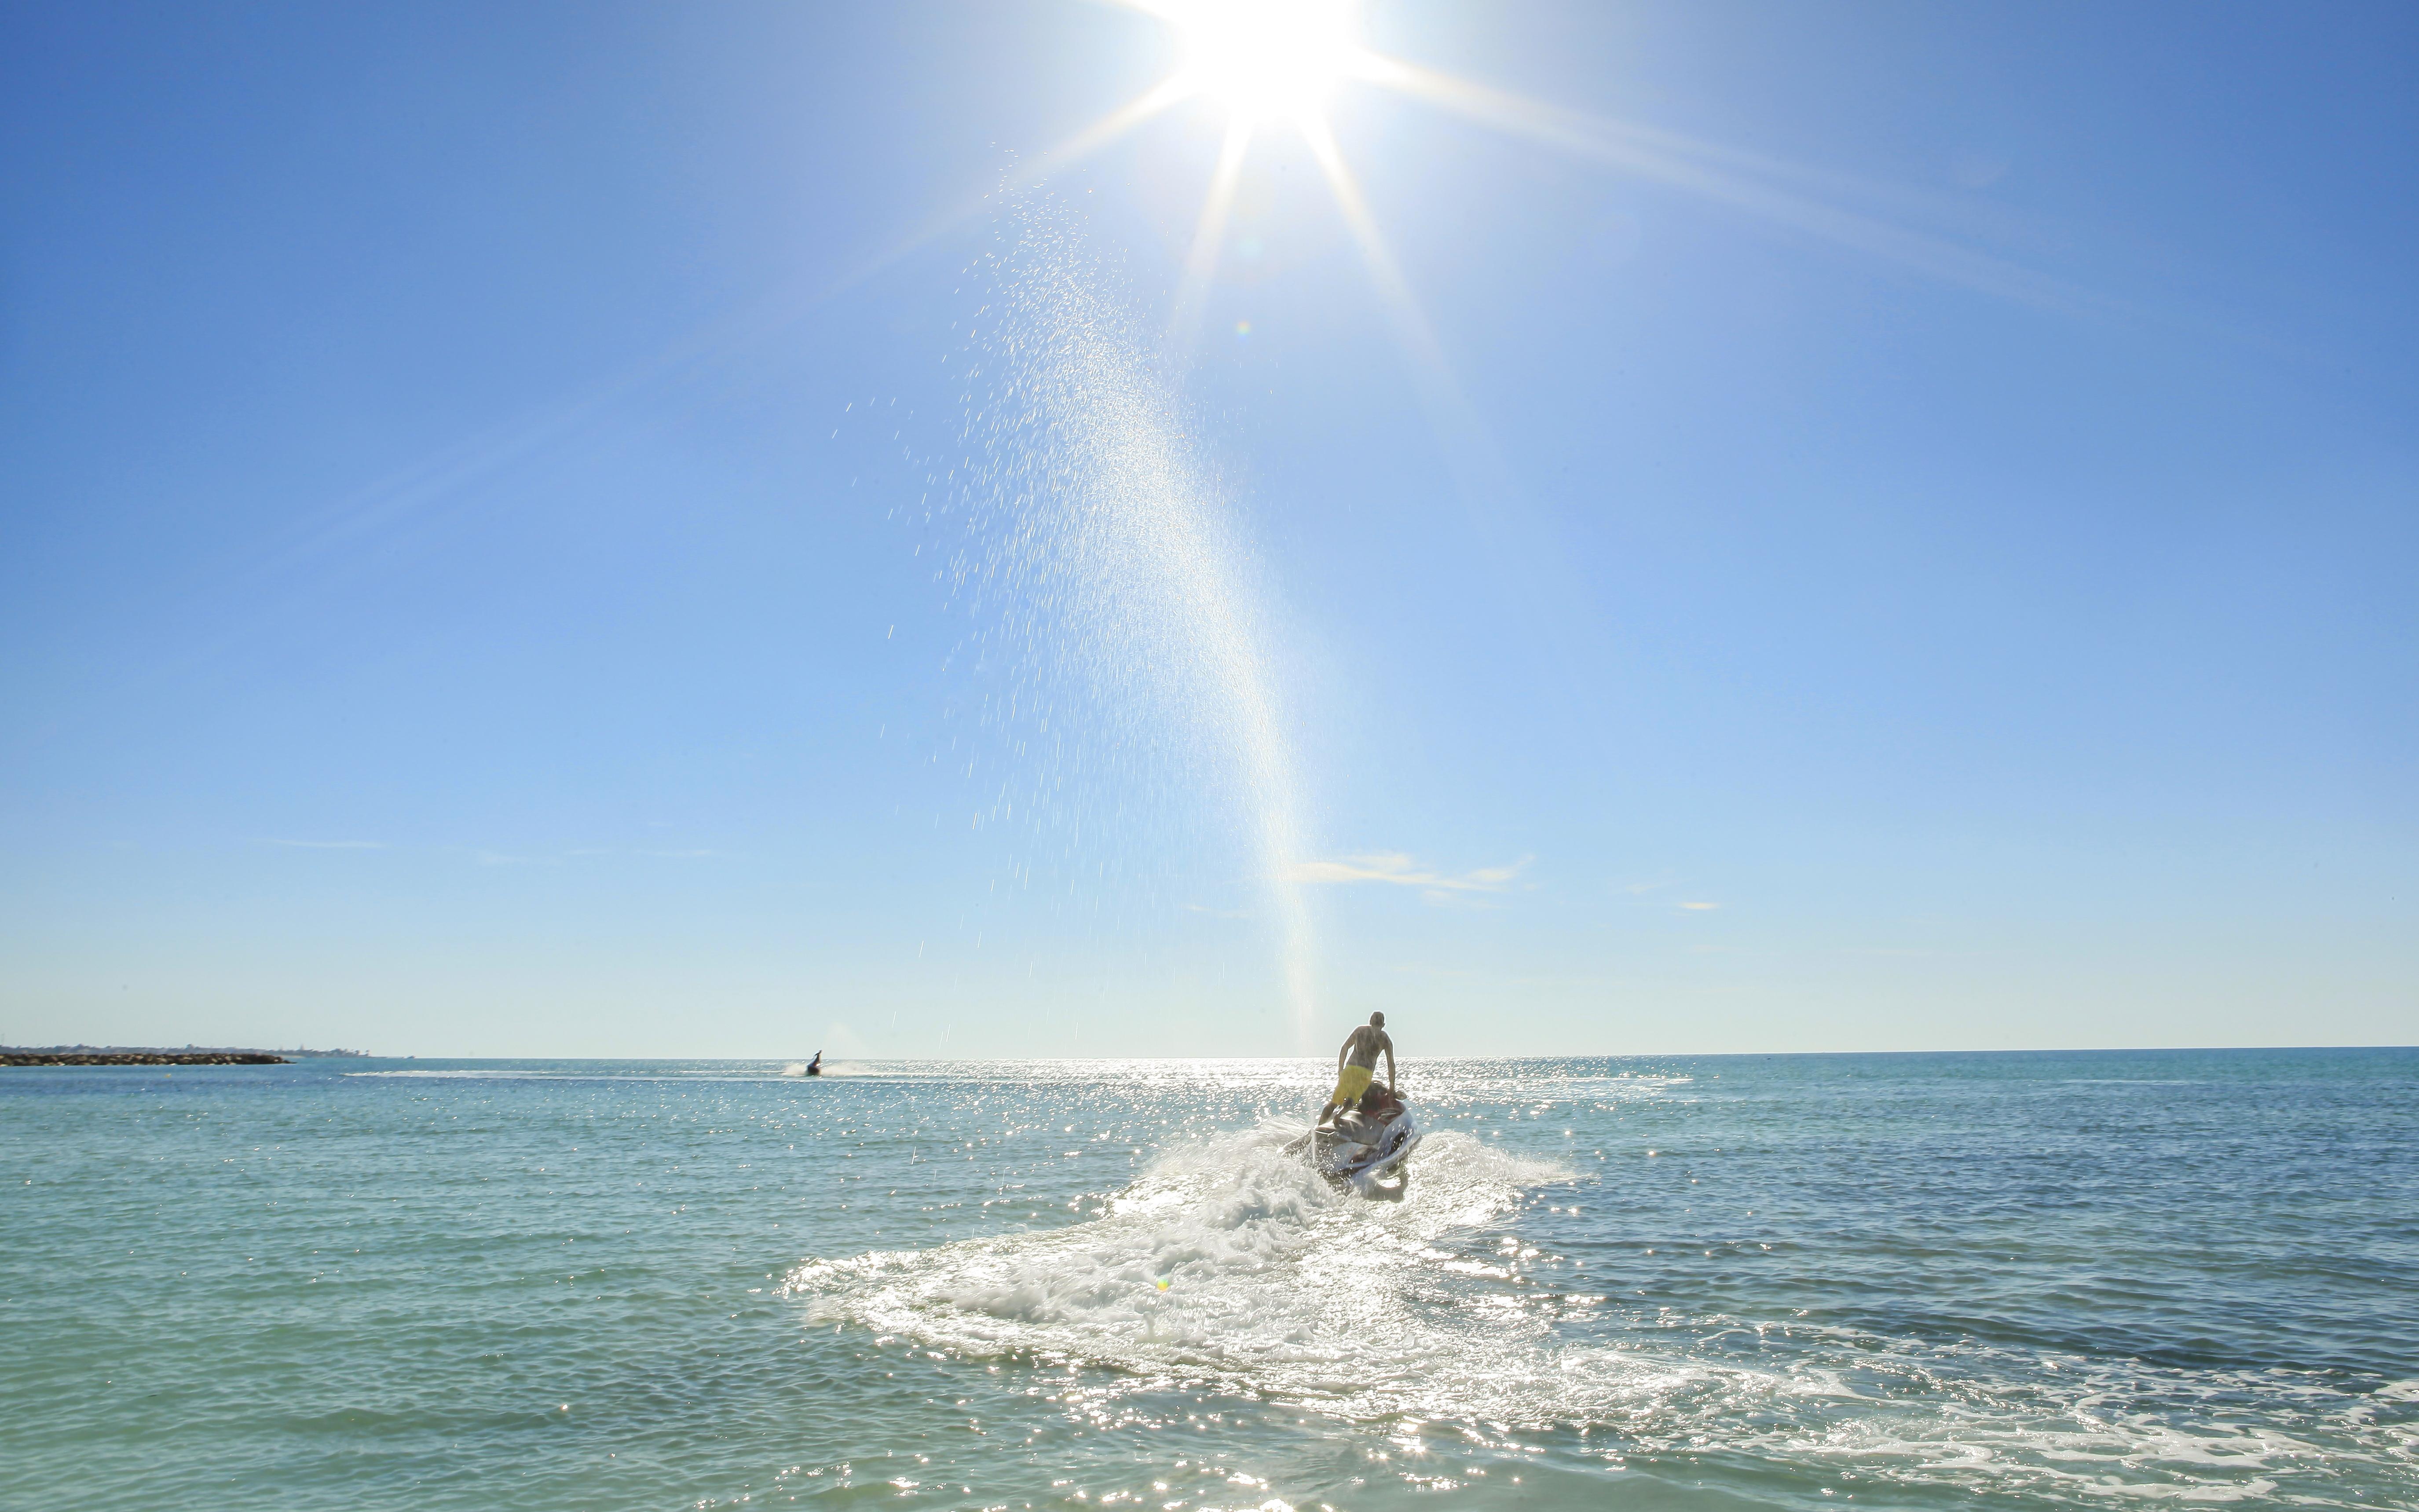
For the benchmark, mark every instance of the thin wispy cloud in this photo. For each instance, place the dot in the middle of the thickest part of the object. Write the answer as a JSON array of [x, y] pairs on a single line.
[[1397, 869], [1643, 894], [324, 845], [505, 858], [492, 857]]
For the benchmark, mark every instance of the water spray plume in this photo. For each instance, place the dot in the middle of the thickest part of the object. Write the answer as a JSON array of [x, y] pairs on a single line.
[[1112, 590]]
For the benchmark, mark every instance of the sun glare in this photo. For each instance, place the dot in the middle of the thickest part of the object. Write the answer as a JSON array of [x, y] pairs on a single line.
[[1267, 59]]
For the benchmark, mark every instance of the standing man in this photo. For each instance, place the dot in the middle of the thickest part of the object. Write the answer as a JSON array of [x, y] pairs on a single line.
[[1356, 1063]]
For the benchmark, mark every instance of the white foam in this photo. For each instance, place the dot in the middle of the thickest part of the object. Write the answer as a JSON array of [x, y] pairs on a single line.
[[1277, 1287], [519, 1074], [1227, 1260]]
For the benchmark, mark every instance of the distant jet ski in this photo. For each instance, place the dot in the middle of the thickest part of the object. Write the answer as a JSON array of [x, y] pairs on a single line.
[[1364, 1148], [815, 1067]]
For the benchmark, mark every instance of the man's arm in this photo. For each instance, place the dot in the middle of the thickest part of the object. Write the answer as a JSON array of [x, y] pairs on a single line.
[[1388, 1041]]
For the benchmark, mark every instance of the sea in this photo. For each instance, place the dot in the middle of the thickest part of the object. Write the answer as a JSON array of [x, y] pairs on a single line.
[[2104, 1279]]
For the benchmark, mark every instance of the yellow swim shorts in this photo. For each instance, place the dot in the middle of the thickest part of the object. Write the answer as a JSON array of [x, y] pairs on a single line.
[[1349, 1086]]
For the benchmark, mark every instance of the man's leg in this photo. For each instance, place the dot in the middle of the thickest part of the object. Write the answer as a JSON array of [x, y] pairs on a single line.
[[1350, 1087]]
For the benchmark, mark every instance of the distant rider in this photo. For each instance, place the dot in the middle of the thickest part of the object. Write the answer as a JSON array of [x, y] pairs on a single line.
[[1356, 1064]]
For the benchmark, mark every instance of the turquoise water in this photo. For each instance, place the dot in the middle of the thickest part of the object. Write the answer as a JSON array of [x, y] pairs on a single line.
[[1720, 1282]]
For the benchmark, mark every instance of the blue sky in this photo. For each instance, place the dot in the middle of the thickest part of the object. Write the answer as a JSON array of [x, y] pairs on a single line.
[[1916, 555]]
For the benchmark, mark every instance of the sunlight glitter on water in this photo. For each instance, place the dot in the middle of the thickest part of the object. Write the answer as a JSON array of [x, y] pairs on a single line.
[[1915, 1279]]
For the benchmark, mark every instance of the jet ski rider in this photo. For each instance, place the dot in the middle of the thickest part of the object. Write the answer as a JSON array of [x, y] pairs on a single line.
[[1356, 1064]]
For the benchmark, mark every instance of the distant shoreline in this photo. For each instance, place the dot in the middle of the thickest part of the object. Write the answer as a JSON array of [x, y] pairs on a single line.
[[141, 1057]]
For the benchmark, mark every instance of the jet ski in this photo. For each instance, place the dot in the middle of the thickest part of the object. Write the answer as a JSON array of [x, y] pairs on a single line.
[[1364, 1148]]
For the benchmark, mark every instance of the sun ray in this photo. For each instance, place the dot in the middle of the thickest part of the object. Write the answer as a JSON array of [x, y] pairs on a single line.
[[1116, 124], [1041, 170], [1418, 338], [1201, 259], [1522, 545], [1665, 159], [1468, 449]]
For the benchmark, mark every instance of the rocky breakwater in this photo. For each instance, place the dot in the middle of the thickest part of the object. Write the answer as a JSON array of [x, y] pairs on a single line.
[[140, 1057]]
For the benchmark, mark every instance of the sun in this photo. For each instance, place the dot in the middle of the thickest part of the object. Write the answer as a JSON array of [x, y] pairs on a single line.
[[1279, 63], [1266, 59]]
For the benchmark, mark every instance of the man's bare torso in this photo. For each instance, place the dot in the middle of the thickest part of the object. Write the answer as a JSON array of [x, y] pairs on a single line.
[[1365, 1044]]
